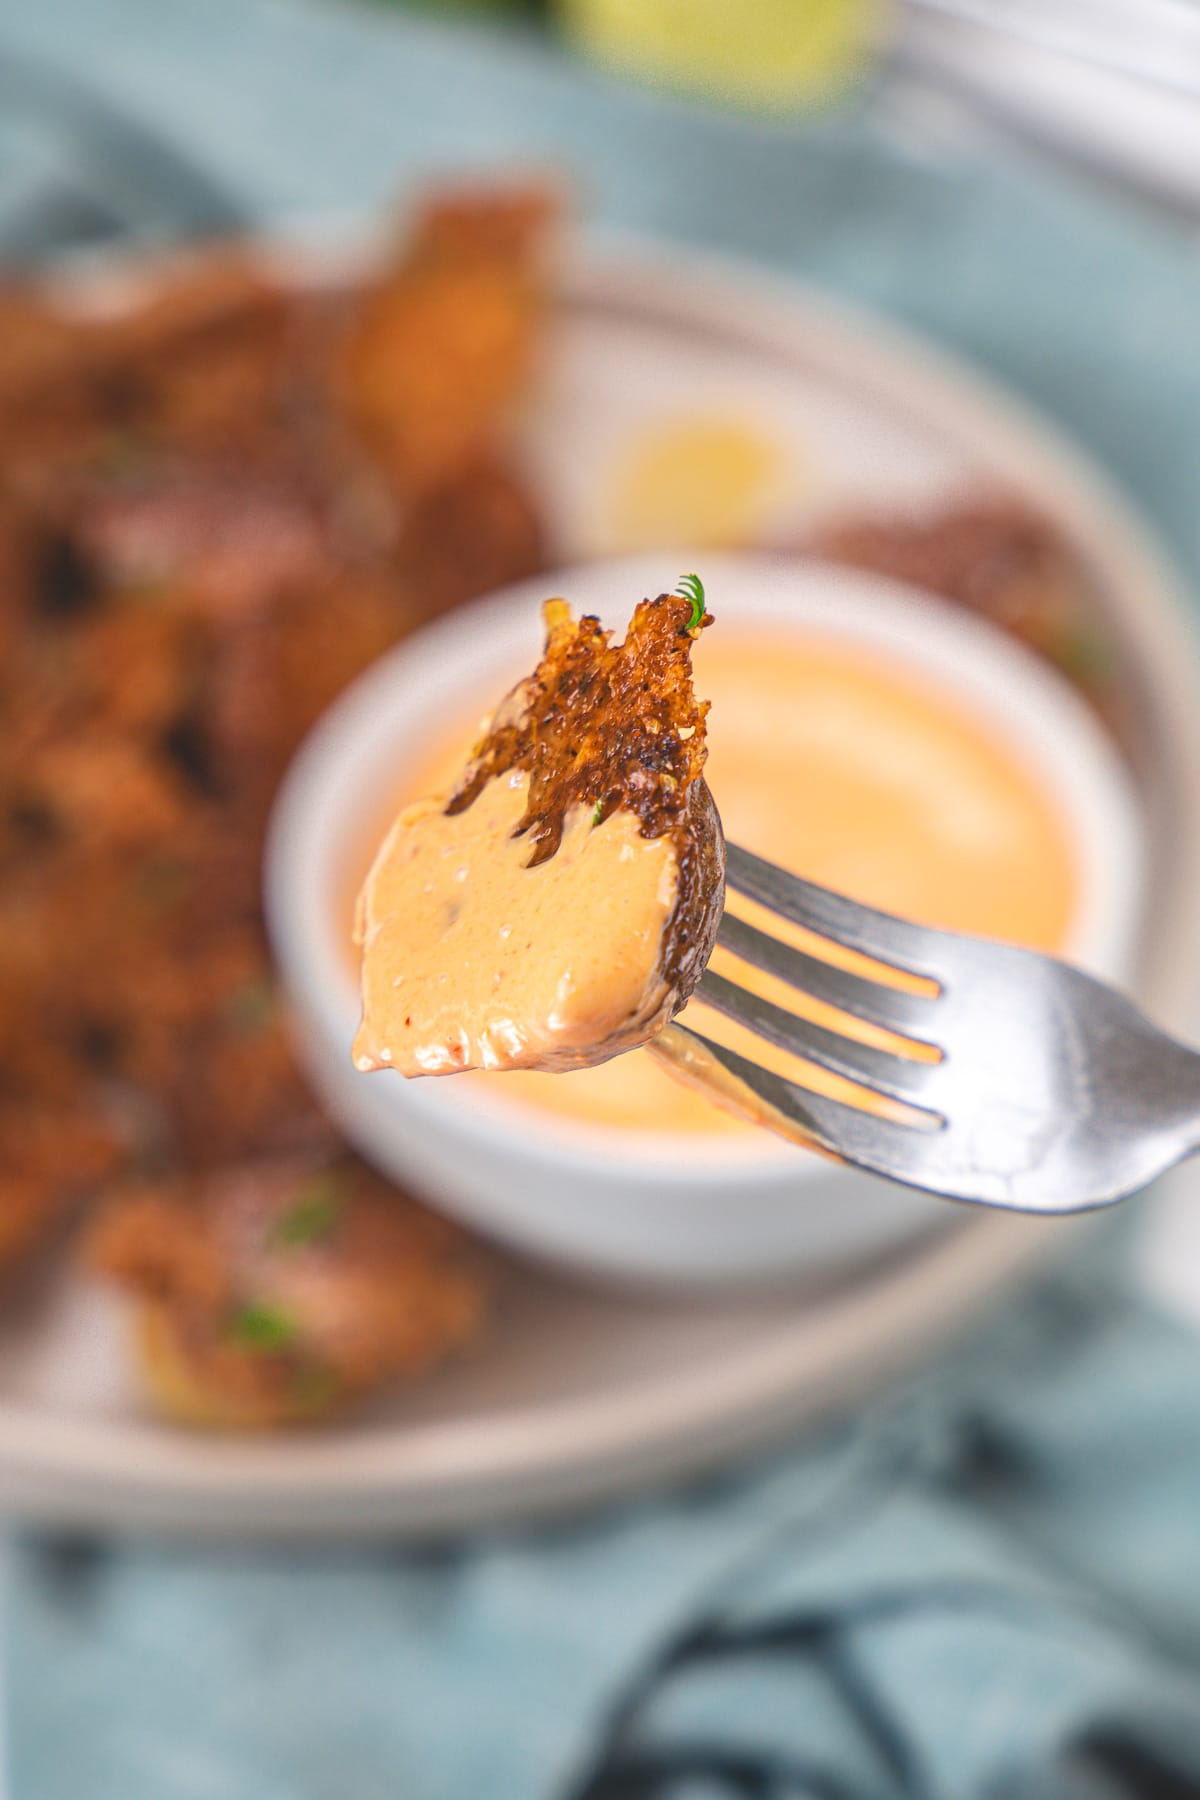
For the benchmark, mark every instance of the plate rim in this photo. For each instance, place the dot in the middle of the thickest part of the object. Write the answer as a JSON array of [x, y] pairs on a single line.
[[437, 1479]]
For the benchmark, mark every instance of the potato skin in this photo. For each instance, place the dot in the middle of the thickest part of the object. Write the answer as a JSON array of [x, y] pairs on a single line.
[[691, 930]]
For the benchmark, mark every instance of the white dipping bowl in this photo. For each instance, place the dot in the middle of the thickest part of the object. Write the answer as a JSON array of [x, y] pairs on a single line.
[[625, 1205]]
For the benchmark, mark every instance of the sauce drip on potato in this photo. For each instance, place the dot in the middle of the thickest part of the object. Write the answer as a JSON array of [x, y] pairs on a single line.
[[558, 905]]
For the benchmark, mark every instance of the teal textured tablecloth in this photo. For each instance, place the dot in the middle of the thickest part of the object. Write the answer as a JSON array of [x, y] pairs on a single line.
[[988, 1589]]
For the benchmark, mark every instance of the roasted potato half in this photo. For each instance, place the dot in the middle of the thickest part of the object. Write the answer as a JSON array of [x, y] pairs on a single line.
[[282, 1293], [558, 906]]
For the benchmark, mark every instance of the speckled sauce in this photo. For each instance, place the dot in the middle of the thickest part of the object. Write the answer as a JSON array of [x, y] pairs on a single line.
[[471, 959]]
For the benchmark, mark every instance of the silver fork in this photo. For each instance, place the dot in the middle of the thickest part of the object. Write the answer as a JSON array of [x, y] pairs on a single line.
[[1051, 1093]]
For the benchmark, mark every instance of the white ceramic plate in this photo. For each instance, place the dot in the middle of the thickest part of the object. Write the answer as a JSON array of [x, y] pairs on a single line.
[[580, 1397]]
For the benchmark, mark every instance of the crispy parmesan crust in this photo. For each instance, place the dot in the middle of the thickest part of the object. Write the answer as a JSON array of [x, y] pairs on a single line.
[[691, 930], [359, 1286], [600, 725], [610, 726], [219, 503]]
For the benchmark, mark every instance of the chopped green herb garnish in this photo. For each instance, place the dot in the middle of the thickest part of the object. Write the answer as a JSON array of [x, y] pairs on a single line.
[[316, 1211], [261, 1326], [690, 587], [598, 814]]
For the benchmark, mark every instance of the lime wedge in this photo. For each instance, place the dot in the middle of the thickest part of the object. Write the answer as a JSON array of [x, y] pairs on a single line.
[[767, 54]]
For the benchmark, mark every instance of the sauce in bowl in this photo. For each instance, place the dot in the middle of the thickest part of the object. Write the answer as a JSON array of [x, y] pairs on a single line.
[[849, 767]]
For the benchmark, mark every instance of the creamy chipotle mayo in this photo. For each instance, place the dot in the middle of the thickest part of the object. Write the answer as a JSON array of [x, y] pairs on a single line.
[[472, 960]]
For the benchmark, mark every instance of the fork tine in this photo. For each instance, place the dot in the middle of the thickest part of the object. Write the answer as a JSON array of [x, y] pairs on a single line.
[[900, 1077], [895, 941], [892, 1009], [880, 1145]]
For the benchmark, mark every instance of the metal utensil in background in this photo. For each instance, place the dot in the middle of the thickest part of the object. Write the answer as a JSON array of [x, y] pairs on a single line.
[[1109, 86], [1151, 41]]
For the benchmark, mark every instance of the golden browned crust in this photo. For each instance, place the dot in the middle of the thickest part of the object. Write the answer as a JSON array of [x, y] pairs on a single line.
[[601, 725], [218, 504], [283, 1293], [995, 555], [608, 726], [443, 342], [51, 1157], [691, 930]]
